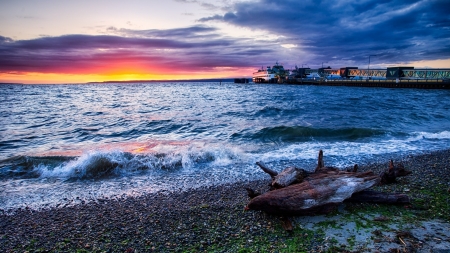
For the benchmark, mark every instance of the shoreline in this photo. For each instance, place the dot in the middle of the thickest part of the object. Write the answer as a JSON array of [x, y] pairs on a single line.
[[213, 219]]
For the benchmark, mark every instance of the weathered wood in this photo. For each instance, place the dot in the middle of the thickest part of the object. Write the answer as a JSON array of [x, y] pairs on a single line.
[[354, 169], [392, 173], [272, 173], [298, 192], [369, 196], [318, 193], [288, 176], [320, 163]]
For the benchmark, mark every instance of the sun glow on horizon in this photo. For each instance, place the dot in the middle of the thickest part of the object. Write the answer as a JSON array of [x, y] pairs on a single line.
[[122, 74]]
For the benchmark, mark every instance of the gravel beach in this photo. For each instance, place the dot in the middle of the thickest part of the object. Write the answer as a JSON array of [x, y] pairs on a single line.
[[213, 219]]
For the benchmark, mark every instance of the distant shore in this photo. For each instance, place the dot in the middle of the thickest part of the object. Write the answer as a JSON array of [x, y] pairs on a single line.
[[217, 80], [163, 81], [212, 219]]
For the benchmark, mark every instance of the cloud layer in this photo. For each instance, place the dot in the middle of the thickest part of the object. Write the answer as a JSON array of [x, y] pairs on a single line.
[[339, 33], [351, 30], [183, 49]]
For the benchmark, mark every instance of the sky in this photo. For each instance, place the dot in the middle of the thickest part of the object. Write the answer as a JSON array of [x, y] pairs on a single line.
[[62, 41]]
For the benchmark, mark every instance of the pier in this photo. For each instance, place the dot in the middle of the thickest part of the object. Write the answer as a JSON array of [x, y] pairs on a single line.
[[392, 77], [419, 84]]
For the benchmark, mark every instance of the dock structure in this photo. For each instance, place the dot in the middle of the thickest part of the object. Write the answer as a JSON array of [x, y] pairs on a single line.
[[386, 83], [389, 73], [392, 77]]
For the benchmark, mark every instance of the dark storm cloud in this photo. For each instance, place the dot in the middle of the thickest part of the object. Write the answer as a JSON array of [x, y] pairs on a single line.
[[395, 30], [71, 42], [189, 48]]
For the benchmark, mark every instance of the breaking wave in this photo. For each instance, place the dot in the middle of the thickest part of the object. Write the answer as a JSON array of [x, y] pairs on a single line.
[[106, 164]]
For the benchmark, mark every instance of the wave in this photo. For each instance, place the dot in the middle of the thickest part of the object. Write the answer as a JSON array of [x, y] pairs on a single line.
[[347, 153], [430, 136], [305, 134], [299, 144], [109, 164], [24, 166], [269, 111]]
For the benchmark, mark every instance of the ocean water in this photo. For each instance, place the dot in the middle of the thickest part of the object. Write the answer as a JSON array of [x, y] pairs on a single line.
[[66, 144]]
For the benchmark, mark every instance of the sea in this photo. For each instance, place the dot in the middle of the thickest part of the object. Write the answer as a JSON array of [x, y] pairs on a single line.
[[63, 145]]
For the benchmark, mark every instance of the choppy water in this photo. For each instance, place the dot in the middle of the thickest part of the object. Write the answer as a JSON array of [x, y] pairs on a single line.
[[63, 144]]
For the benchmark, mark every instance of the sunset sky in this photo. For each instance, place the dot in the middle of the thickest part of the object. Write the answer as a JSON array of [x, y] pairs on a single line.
[[50, 41]]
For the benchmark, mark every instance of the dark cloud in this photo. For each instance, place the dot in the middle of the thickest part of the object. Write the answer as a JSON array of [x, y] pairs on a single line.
[[71, 42], [337, 31], [184, 48], [5, 40], [212, 18], [177, 33]]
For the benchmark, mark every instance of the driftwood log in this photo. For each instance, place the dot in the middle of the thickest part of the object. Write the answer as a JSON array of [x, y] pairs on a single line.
[[370, 196], [318, 193], [285, 178], [295, 191], [392, 173]]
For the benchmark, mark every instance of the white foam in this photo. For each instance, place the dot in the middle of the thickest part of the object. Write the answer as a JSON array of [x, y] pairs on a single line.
[[426, 135], [346, 152], [166, 157], [80, 166], [188, 155]]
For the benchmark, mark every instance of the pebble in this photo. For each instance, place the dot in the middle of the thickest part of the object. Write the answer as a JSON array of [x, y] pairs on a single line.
[[192, 219]]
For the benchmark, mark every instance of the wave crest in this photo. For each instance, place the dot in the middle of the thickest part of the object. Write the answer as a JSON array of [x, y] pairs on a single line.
[[107, 164]]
